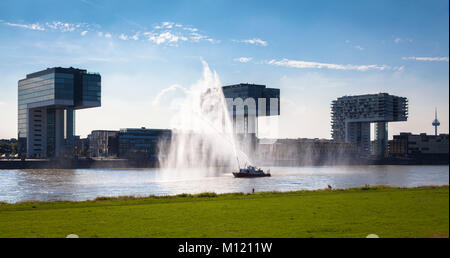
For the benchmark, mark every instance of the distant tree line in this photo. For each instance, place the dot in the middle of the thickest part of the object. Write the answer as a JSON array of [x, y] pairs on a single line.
[[8, 147]]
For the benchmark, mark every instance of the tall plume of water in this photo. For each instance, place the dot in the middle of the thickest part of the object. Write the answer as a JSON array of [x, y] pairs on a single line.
[[203, 131]]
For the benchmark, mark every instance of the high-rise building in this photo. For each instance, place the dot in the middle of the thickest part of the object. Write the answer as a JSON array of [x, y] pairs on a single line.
[[246, 102], [351, 117], [47, 101], [264, 102]]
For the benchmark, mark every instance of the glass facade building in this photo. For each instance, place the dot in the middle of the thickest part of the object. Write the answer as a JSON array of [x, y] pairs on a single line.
[[246, 103], [261, 100], [141, 142], [255, 92], [47, 101]]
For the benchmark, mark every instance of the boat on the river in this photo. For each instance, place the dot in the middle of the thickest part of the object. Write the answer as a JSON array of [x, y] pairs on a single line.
[[250, 171]]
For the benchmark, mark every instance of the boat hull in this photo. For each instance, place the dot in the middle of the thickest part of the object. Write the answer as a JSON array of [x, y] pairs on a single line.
[[248, 175]]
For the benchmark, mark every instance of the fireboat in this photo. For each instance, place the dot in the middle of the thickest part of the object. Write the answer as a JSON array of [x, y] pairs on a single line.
[[250, 171]]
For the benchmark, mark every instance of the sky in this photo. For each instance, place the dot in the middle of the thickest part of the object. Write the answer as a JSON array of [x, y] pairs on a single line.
[[313, 51]]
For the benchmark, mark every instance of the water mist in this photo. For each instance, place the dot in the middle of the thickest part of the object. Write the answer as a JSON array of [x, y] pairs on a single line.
[[202, 138]]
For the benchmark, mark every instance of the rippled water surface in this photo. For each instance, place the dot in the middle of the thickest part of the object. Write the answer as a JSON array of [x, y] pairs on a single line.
[[83, 184]]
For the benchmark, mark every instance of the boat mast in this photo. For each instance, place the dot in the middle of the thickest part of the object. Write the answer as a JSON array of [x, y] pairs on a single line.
[[237, 158]]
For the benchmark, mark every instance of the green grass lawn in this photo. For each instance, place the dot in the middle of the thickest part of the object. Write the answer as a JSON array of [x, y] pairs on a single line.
[[387, 212]]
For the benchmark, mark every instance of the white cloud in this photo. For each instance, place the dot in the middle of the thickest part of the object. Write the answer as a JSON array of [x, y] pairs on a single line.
[[212, 40], [167, 25], [34, 26], [171, 33], [62, 26], [127, 37], [399, 69], [355, 46], [54, 26], [190, 29], [317, 65], [243, 59], [123, 37], [135, 36], [164, 37], [431, 59], [398, 40], [254, 41], [196, 37]]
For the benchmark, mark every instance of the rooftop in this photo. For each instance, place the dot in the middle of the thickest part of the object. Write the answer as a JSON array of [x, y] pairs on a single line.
[[241, 85], [70, 70]]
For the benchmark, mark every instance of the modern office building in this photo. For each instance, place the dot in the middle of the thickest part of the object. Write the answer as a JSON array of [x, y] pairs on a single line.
[[142, 143], [246, 102], [351, 117], [103, 143], [257, 100], [47, 101], [410, 145]]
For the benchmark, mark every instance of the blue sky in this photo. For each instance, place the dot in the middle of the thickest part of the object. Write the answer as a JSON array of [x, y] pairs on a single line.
[[314, 51]]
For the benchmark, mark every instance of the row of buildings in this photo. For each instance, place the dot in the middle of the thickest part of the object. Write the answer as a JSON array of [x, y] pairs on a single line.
[[48, 99], [419, 146], [128, 143], [143, 143]]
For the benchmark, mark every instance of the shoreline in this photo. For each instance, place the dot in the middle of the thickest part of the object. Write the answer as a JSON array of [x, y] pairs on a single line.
[[124, 164], [101, 198]]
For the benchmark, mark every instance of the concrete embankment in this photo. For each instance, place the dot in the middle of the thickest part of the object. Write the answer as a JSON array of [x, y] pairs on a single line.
[[74, 164], [356, 162], [123, 163]]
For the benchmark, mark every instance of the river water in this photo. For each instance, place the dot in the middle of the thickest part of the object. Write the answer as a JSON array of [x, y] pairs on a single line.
[[85, 184]]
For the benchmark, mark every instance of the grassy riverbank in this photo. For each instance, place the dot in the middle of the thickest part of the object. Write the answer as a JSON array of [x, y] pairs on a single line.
[[387, 212]]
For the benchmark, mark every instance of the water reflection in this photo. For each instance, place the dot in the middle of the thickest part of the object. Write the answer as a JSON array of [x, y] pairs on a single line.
[[83, 184]]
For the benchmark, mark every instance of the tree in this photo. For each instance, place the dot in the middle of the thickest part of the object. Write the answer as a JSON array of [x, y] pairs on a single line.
[[14, 148], [5, 148]]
